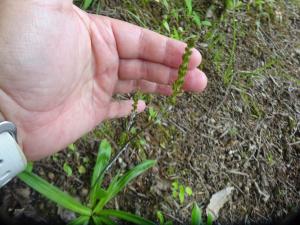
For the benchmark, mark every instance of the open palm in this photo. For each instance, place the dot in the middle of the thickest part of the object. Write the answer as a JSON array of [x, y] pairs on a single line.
[[60, 67]]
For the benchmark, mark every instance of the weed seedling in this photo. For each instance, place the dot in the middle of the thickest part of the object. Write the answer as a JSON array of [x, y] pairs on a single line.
[[179, 191], [197, 217], [94, 212], [68, 170], [161, 219]]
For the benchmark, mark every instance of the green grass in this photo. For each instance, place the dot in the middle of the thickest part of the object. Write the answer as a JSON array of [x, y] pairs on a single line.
[[94, 210]]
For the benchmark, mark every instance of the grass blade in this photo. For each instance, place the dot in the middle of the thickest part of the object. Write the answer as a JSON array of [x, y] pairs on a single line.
[[126, 216], [53, 193], [196, 215], [103, 158], [160, 217], [189, 6], [118, 184], [104, 153], [87, 4], [210, 219], [82, 220]]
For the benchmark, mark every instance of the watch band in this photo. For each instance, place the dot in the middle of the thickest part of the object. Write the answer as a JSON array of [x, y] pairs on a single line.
[[9, 127], [12, 159]]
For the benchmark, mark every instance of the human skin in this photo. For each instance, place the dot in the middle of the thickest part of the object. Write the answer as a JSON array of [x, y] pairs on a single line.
[[60, 67]]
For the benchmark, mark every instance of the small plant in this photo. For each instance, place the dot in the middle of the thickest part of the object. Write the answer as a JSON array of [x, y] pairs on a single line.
[[262, 4], [193, 15], [232, 4], [270, 159], [94, 211], [197, 217], [180, 192], [72, 147], [68, 170], [189, 6], [161, 219], [153, 115]]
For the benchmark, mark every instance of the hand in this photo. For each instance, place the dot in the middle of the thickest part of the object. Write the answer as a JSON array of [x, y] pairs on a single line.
[[60, 67]]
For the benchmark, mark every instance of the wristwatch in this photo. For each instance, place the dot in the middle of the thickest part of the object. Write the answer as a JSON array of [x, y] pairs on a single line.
[[12, 158]]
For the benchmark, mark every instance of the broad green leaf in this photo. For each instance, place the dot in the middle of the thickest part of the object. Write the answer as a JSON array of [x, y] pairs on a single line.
[[104, 153], [68, 170], [82, 220], [160, 217], [53, 193], [181, 194], [196, 215], [102, 161], [118, 184], [87, 4], [103, 220], [126, 216]]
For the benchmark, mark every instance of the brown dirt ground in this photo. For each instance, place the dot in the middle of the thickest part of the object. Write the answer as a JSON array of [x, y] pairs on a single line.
[[245, 134]]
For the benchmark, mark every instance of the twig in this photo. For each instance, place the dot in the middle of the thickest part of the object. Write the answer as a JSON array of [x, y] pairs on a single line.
[[234, 184], [178, 126], [238, 173], [265, 195], [294, 143], [199, 176]]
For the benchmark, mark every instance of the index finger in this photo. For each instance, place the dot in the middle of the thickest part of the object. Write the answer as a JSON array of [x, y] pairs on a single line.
[[134, 42]]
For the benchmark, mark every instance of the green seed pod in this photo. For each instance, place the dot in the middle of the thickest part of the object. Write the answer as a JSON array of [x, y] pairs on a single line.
[[178, 84]]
